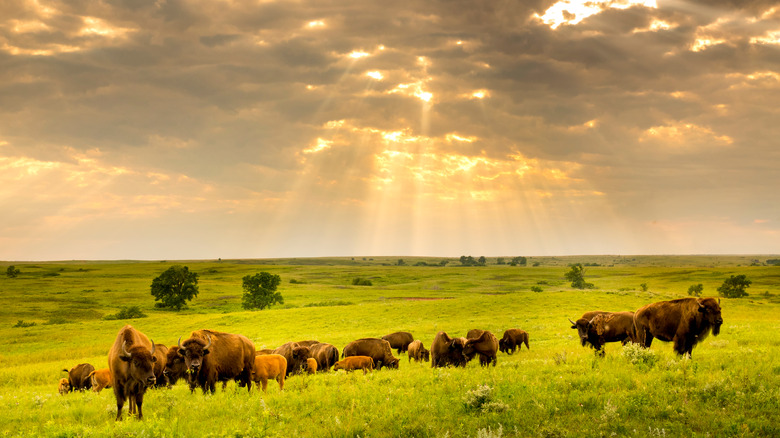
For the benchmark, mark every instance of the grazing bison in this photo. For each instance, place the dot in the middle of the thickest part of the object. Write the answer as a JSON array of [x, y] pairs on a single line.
[[311, 365], [296, 357], [377, 349], [269, 366], [326, 355], [78, 377], [685, 321], [399, 340], [513, 339], [352, 363], [131, 361], [101, 379], [161, 353], [64, 386], [447, 351], [213, 356], [175, 368], [485, 345], [605, 327], [418, 352]]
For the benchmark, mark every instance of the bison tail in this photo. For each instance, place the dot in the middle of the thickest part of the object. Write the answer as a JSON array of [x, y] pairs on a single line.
[[66, 370], [526, 343]]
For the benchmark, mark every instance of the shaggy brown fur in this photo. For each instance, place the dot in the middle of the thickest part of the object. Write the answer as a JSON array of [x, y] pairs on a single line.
[[213, 356], [375, 348], [513, 339], [447, 351], [267, 367], [131, 361], [685, 321]]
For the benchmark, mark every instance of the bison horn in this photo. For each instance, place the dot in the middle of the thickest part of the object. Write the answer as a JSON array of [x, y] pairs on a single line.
[[124, 351], [180, 347], [209, 344], [572, 322], [153, 347]]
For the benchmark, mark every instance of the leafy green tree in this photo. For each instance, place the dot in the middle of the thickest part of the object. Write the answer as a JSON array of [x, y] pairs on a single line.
[[695, 290], [734, 286], [522, 261], [260, 291], [643, 286], [174, 287], [577, 277], [12, 272], [482, 261], [400, 262]]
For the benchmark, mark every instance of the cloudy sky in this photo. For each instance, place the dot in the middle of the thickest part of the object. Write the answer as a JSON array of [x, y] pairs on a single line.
[[177, 129]]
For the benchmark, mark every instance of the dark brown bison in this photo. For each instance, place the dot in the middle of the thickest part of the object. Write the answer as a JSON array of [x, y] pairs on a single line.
[[101, 379], [161, 353], [175, 368], [685, 321], [78, 377], [447, 351], [269, 366], [399, 340], [485, 345], [325, 354], [513, 339], [131, 361], [213, 356], [603, 327], [377, 349], [296, 357], [352, 363], [418, 352], [308, 343]]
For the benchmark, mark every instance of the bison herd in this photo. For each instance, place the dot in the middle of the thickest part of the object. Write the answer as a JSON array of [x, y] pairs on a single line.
[[207, 357]]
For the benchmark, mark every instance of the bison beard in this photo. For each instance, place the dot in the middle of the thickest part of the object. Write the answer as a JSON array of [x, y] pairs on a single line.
[[685, 321]]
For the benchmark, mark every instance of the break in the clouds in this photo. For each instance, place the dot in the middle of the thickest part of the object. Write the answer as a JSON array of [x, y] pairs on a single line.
[[204, 129]]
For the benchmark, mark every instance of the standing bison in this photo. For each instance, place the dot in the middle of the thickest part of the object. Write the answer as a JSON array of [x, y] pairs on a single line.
[[213, 356], [161, 353], [377, 349], [513, 339], [447, 351], [399, 340], [131, 361], [485, 345], [352, 363], [101, 379], [598, 327], [269, 366], [175, 368], [685, 321], [418, 352], [295, 355], [325, 354], [78, 377]]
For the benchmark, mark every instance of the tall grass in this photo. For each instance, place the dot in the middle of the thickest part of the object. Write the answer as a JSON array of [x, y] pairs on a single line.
[[731, 386]]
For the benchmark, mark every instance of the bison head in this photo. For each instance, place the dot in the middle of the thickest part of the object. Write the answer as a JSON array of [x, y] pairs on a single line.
[[710, 308], [193, 350], [175, 368], [583, 328], [391, 363], [425, 355], [141, 363], [301, 353], [456, 355]]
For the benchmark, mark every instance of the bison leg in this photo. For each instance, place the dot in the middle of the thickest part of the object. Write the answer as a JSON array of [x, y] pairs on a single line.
[[139, 401], [280, 379], [120, 402], [264, 382]]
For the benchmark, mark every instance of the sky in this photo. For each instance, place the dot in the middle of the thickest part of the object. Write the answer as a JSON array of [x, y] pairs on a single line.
[[204, 129]]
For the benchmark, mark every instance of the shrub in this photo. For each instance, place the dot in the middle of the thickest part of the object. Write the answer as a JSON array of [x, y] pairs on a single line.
[[643, 286], [536, 289], [734, 286], [638, 355], [12, 272], [294, 281], [695, 290], [360, 281], [21, 323], [130, 312], [481, 399], [577, 278]]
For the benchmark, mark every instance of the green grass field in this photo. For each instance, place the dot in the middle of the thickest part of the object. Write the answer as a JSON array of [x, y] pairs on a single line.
[[731, 386]]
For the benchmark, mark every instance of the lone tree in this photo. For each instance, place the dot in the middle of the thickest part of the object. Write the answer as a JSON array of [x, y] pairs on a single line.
[[577, 278], [174, 287], [260, 291], [12, 272], [734, 286], [695, 290]]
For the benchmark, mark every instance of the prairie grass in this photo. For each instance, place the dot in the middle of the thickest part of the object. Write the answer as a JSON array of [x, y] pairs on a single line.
[[731, 386]]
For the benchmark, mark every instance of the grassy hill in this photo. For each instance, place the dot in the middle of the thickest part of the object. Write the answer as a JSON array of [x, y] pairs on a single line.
[[557, 388]]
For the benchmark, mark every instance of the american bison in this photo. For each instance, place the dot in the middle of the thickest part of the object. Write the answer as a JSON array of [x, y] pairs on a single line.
[[269, 366], [78, 377], [352, 363], [161, 353], [325, 354], [418, 352], [175, 368], [513, 339], [101, 379], [296, 357], [599, 327], [377, 349], [213, 356], [399, 340], [485, 345], [684, 321], [311, 365], [131, 361], [447, 351], [64, 386]]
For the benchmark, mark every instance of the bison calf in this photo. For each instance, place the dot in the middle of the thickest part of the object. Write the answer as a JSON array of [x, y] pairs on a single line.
[[269, 366], [64, 386], [311, 365], [352, 363], [100, 379]]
